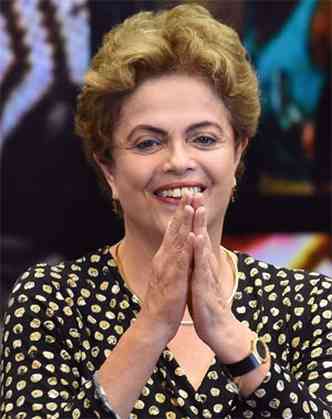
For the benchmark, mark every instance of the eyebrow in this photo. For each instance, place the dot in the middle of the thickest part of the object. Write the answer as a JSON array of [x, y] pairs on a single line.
[[193, 127]]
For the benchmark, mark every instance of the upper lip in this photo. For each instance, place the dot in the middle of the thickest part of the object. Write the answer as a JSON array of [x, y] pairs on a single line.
[[175, 185]]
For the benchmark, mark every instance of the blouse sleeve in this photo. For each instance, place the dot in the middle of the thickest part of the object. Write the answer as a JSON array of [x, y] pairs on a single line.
[[302, 387], [43, 372]]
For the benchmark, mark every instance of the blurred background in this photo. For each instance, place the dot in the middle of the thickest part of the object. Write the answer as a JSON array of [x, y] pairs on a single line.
[[51, 207]]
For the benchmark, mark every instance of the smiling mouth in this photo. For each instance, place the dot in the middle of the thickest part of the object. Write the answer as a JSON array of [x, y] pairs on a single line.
[[177, 193]]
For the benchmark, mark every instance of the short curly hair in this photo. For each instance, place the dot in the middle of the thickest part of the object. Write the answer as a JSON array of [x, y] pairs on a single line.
[[185, 39]]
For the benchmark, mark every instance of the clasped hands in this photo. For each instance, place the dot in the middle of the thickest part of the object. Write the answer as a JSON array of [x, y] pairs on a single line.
[[187, 272]]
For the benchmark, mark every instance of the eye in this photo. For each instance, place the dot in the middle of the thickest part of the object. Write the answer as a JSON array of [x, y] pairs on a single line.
[[148, 146], [204, 141]]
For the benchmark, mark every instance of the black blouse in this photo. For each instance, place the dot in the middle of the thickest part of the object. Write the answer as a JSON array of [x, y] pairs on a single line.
[[64, 320]]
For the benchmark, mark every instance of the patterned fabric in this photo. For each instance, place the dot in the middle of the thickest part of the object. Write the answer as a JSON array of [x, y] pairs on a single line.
[[102, 394], [64, 320]]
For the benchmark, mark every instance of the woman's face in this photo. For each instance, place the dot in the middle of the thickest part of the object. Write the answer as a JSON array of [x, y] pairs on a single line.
[[173, 133]]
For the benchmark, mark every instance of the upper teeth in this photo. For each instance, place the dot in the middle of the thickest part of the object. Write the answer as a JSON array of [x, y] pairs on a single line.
[[178, 192]]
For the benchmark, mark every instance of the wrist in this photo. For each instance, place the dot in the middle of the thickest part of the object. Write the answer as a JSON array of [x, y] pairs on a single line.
[[152, 332], [257, 356], [250, 365], [248, 383], [233, 342]]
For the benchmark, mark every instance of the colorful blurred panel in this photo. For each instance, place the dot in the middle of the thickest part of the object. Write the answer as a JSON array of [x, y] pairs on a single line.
[[309, 251]]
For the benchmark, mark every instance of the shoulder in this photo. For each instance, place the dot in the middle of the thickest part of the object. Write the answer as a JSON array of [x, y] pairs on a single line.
[[46, 282], [289, 281], [280, 297]]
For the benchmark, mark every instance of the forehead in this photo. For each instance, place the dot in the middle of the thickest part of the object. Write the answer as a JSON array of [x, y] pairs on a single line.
[[172, 100]]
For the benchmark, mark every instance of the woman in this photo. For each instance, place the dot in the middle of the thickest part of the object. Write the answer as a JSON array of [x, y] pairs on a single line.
[[168, 323]]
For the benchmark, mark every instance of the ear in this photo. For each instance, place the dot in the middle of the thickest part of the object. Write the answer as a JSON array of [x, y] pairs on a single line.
[[240, 149], [108, 172]]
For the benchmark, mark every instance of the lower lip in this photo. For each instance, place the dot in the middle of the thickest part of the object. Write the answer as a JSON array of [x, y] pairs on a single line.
[[168, 200]]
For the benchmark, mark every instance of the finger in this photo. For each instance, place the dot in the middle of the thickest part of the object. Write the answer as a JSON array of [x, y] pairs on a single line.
[[176, 236], [204, 274], [200, 228], [175, 222], [197, 200], [177, 219], [185, 256], [201, 264], [183, 253], [205, 229], [199, 221], [181, 235]]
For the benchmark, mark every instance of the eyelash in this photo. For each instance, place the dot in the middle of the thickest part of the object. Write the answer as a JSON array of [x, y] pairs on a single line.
[[209, 138], [144, 142], [141, 146]]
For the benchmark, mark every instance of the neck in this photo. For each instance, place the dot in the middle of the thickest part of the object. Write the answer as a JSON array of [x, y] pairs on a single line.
[[141, 242], [136, 254]]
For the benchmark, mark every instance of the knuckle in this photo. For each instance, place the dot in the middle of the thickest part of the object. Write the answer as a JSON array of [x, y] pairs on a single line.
[[178, 245], [173, 225], [181, 261], [172, 228]]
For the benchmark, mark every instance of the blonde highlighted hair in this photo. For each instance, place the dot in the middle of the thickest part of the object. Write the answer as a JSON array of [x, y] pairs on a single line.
[[185, 39]]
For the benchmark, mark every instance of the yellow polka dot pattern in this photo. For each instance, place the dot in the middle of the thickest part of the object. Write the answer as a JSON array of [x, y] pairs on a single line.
[[64, 320]]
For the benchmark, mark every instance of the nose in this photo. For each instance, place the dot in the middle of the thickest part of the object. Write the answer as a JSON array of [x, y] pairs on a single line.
[[178, 159]]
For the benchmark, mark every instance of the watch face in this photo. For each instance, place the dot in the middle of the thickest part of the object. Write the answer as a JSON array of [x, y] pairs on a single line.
[[261, 349]]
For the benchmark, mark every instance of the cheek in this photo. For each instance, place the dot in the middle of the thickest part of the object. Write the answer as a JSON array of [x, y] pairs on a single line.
[[221, 171], [131, 179]]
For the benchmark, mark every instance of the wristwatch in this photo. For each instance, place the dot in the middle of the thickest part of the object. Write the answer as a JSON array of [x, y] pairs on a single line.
[[259, 354]]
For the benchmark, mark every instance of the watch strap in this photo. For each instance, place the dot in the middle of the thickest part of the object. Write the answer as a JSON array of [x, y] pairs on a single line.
[[243, 367], [251, 362]]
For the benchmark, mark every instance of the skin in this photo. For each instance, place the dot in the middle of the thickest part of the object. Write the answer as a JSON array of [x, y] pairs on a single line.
[[171, 253], [173, 104]]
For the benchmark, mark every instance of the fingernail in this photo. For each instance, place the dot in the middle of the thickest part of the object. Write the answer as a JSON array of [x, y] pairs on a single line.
[[187, 197]]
